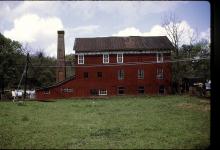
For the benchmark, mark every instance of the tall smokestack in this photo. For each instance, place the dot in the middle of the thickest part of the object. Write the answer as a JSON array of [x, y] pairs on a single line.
[[61, 70]]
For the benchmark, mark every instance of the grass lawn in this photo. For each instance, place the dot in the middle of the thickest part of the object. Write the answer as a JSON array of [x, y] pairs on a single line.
[[159, 122]]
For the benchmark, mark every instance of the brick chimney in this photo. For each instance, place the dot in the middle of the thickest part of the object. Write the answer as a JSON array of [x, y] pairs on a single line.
[[61, 70]]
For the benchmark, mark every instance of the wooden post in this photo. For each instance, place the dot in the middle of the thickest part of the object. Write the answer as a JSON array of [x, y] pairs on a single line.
[[2, 86], [25, 81]]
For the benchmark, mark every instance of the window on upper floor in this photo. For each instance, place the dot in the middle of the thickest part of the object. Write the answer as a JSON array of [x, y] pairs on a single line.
[[159, 57], [120, 74], [119, 58], [80, 59], [140, 74], [105, 58], [160, 73], [86, 74]]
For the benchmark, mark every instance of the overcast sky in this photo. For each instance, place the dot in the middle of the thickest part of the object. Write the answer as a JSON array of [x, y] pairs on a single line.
[[36, 23]]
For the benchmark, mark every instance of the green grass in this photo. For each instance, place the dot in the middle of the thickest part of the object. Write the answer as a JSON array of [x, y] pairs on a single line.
[[159, 122]]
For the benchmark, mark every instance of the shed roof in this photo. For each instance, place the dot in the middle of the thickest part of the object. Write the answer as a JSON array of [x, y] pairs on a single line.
[[57, 83], [122, 43]]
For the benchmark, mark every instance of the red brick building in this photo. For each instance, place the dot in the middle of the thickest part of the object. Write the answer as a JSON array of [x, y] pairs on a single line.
[[107, 66]]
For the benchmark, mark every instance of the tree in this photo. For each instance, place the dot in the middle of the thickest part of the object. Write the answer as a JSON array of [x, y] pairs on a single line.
[[11, 52], [42, 70], [12, 63], [198, 68], [194, 49], [174, 31], [201, 50]]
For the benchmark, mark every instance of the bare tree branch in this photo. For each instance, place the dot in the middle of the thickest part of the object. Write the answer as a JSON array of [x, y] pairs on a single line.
[[193, 36], [172, 27]]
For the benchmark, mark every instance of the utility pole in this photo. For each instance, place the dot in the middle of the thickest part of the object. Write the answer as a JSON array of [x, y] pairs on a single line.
[[26, 70], [2, 86]]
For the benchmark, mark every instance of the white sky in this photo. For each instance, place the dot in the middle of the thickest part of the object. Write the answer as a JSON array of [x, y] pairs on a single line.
[[36, 23]]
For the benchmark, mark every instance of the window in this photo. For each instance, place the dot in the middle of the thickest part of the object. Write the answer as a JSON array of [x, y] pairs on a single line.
[[102, 92], [121, 90], [94, 92], [141, 89], [119, 58], [159, 73], [67, 90], [105, 58], [140, 74], [99, 74], [161, 89], [159, 57], [86, 74], [80, 59], [120, 74], [46, 91]]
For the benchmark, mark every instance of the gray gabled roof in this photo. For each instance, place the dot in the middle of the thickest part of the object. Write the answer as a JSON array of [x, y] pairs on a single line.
[[122, 43]]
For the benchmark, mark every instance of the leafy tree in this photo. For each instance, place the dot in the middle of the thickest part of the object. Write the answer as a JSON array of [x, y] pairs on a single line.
[[202, 67], [42, 70], [196, 68], [12, 63], [195, 49], [10, 54]]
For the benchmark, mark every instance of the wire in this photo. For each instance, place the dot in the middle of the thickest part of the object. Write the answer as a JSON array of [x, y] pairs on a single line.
[[117, 64], [22, 76], [125, 64]]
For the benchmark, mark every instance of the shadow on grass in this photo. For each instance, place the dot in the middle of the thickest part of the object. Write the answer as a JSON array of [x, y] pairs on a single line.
[[25, 118], [46, 100], [109, 132]]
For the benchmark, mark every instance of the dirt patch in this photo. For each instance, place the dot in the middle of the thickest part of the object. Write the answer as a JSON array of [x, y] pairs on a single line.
[[184, 105], [208, 108], [205, 101], [203, 106]]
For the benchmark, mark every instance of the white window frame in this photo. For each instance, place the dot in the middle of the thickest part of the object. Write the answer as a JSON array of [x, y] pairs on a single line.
[[81, 60], [105, 60], [121, 74], [67, 90], [122, 58], [160, 73], [140, 73], [103, 92], [159, 57]]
